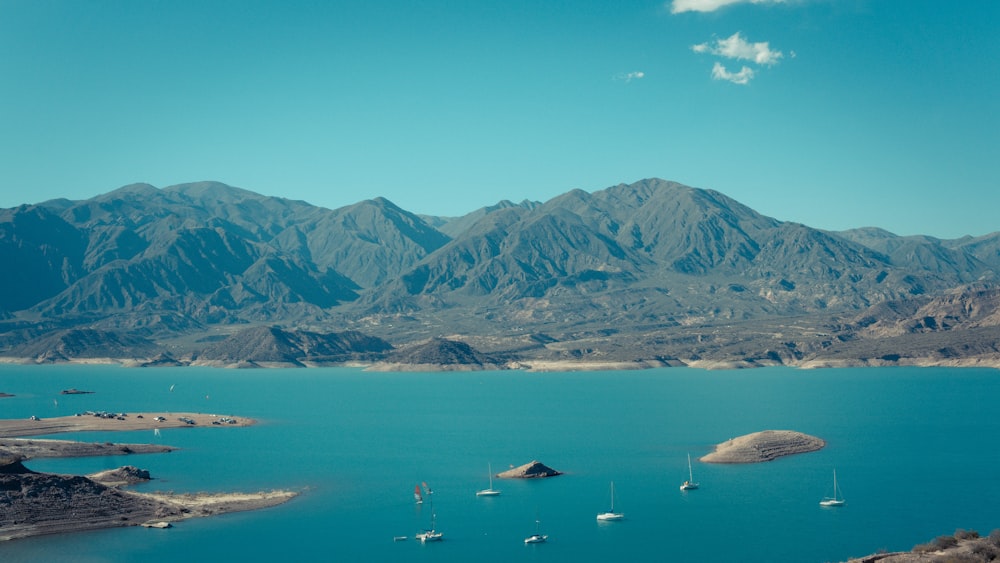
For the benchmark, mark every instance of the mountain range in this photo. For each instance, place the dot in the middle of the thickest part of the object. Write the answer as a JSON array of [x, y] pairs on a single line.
[[652, 271]]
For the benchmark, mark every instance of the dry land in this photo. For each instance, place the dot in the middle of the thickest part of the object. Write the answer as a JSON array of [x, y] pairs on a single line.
[[763, 446], [116, 421], [33, 504]]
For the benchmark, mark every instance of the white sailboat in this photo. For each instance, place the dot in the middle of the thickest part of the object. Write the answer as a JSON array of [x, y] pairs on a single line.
[[537, 537], [611, 515], [837, 499], [689, 484], [430, 535], [489, 492]]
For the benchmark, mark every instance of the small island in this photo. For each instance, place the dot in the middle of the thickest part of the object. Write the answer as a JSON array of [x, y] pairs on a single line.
[[105, 421], [763, 446], [530, 470]]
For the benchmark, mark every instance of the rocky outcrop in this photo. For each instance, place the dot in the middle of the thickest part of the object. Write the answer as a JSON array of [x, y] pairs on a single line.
[[439, 354], [33, 504], [125, 475], [530, 470], [964, 546], [39, 503], [767, 445]]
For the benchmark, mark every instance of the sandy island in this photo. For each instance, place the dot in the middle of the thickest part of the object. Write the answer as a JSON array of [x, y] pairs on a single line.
[[30, 448], [130, 421], [763, 446]]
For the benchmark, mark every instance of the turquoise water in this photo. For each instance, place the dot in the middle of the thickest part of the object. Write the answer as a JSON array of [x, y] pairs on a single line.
[[913, 449]]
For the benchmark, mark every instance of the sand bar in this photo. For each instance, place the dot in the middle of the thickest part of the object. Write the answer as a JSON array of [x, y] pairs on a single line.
[[131, 421]]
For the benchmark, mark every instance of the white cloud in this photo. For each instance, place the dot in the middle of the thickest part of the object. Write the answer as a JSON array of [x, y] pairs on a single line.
[[630, 76], [678, 6], [744, 76], [735, 47]]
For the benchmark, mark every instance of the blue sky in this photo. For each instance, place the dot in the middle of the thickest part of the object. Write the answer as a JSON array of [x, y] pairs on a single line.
[[832, 113]]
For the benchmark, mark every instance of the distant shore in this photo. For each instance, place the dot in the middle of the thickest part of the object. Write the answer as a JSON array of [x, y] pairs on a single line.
[[544, 365]]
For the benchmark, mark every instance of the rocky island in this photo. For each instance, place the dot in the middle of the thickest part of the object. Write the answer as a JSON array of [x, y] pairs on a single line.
[[530, 470], [767, 445]]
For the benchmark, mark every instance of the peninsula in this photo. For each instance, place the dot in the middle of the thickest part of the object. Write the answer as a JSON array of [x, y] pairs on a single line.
[[767, 445], [103, 421], [40, 503]]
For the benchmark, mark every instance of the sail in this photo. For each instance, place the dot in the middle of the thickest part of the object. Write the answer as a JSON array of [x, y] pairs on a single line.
[[416, 494]]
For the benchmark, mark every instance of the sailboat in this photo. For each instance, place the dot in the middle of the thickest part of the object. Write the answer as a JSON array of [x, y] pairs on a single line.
[[419, 498], [537, 537], [837, 499], [611, 514], [689, 484], [430, 535], [490, 492]]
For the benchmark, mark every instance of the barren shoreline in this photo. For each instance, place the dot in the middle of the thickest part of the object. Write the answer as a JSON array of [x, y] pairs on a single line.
[[133, 421], [545, 365], [40, 503]]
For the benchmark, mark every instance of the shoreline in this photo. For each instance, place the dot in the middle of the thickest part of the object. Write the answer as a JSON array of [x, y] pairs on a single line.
[[34, 448], [542, 365], [94, 506], [38, 504]]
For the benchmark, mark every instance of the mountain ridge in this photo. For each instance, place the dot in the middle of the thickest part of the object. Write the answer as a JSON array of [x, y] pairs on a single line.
[[604, 275]]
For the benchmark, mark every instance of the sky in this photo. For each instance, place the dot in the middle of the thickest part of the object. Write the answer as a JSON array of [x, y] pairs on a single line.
[[833, 113]]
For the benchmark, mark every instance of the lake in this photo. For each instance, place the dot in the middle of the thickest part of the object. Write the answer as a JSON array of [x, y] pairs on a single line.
[[912, 448]]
